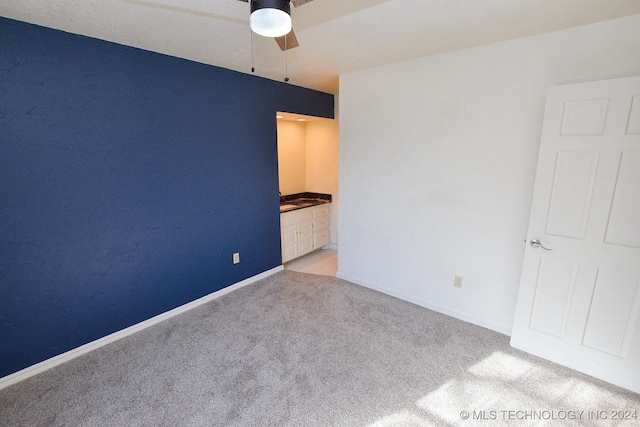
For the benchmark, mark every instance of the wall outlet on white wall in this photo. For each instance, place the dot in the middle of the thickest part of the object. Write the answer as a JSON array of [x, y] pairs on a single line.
[[457, 281]]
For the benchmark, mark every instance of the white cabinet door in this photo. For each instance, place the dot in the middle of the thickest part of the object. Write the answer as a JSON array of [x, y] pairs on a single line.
[[305, 237], [289, 243], [578, 302]]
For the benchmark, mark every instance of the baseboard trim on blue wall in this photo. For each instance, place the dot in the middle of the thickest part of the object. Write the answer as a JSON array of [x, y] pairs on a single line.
[[461, 316], [84, 349]]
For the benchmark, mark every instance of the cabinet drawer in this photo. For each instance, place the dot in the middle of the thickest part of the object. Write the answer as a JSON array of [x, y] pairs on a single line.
[[321, 223], [321, 238], [293, 217], [321, 211]]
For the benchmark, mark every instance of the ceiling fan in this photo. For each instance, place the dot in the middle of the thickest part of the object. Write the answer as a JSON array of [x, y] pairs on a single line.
[[288, 41]]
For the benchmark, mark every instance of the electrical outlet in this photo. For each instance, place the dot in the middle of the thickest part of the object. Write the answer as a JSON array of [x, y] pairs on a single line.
[[457, 281], [236, 258]]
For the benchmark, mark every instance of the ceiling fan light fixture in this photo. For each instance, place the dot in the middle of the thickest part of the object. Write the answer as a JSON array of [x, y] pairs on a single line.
[[270, 18]]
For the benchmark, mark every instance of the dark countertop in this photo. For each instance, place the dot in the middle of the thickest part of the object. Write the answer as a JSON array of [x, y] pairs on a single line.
[[292, 202]]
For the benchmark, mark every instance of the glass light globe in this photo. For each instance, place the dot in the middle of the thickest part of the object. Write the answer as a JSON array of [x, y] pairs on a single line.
[[270, 22]]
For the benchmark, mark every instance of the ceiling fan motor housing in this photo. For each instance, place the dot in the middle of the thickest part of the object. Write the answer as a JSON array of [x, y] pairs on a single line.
[[283, 5]]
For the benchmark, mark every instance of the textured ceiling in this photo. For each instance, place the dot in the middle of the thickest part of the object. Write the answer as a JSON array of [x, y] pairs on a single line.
[[336, 36]]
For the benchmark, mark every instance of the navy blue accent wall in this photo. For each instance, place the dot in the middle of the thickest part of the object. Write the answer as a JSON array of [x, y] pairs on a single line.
[[127, 181]]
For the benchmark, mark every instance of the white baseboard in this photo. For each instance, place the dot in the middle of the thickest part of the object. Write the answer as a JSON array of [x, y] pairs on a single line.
[[333, 247], [457, 315], [86, 348]]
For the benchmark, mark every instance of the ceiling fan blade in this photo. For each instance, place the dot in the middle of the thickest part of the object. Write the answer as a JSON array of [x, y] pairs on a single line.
[[297, 3], [291, 41]]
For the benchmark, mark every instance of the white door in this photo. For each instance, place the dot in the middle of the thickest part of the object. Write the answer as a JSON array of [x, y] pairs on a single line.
[[578, 302]]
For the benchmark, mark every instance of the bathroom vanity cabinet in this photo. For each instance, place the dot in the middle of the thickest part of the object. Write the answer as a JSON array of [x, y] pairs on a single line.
[[304, 230]]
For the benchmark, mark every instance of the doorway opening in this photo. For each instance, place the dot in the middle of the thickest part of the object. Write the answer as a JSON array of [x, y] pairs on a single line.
[[308, 150]]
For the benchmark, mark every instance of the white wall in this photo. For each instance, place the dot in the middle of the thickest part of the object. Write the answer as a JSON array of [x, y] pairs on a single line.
[[437, 164]]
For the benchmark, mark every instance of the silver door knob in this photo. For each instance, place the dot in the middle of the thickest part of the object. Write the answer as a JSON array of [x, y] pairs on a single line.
[[537, 244]]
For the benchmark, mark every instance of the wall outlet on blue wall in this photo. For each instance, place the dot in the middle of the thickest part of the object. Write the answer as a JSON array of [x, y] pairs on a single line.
[[236, 258]]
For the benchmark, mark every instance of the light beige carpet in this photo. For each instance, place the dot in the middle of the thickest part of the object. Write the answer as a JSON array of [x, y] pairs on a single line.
[[305, 350]]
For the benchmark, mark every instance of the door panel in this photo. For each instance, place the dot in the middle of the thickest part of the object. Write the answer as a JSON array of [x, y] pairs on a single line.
[[571, 194], [624, 222], [613, 312], [553, 297], [584, 117], [633, 126], [578, 304]]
